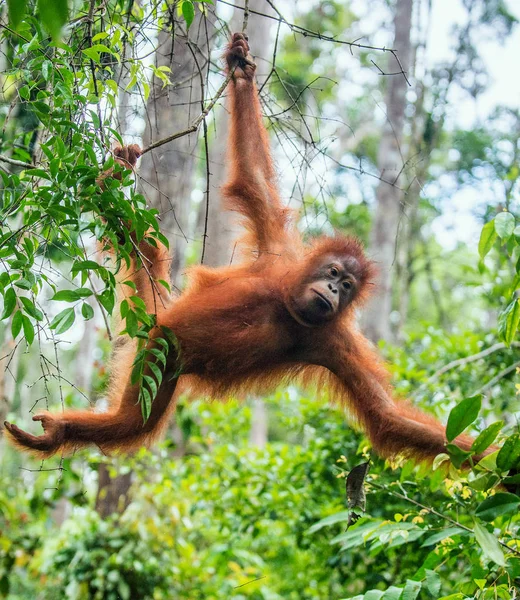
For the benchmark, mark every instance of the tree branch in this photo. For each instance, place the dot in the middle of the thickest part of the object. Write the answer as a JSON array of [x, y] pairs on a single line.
[[462, 362], [16, 163]]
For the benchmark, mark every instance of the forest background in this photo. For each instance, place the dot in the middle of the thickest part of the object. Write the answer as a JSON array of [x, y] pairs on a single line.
[[396, 121]]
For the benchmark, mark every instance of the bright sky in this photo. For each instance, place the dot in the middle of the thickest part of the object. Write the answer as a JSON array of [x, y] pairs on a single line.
[[458, 222]]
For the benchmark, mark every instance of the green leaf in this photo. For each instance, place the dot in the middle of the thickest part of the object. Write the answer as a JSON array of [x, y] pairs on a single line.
[[9, 303], [508, 321], [139, 302], [31, 309], [131, 324], [16, 323], [489, 544], [433, 583], [487, 238], [504, 225], [511, 479], [23, 284], [83, 265], [457, 455], [373, 595], [146, 403], [28, 329], [509, 454], [462, 416], [411, 590], [107, 300], [165, 284], [392, 593], [159, 355], [87, 311], [442, 535], [151, 384], [16, 12], [330, 520], [54, 15], [156, 371], [499, 504], [188, 12], [63, 320], [66, 296], [487, 437], [138, 366]]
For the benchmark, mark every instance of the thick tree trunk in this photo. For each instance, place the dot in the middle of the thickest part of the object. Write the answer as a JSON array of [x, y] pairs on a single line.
[[222, 226], [167, 172], [390, 162], [112, 495]]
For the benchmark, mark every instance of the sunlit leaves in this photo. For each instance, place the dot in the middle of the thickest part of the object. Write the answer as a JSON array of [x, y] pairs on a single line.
[[486, 437], [95, 52], [63, 320], [462, 416], [489, 544], [504, 225], [72, 295], [487, 239], [508, 321]]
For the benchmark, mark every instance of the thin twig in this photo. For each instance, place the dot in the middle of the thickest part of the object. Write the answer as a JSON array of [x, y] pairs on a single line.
[[307, 32], [195, 125], [487, 386], [462, 362]]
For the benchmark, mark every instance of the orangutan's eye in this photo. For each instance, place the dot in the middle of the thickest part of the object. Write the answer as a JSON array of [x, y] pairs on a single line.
[[347, 284], [334, 272]]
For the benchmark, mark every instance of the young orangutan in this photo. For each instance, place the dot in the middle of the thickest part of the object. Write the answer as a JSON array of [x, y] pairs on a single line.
[[285, 313]]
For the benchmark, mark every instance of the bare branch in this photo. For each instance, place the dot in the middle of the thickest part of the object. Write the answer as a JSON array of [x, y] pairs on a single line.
[[462, 362], [195, 125], [16, 163]]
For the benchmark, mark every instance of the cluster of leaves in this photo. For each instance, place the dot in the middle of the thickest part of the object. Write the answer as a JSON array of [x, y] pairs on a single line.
[[229, 515], [485, 502], [53, 214], [148, 371], [54, 15], [503, 228]]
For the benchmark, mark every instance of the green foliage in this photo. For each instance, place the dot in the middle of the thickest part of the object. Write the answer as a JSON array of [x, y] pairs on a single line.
[[108, 559], [150, 362], [462, 416]]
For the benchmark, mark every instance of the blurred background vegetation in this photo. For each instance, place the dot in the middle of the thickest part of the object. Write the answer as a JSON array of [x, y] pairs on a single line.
[[415, 150]]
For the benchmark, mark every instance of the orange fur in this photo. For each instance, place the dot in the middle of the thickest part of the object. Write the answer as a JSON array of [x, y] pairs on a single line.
[[234, 325]]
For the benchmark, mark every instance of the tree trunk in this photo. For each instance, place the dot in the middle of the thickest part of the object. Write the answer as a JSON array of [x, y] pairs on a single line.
[[112, 495], [167, 172], [222, 226], [388, 197]]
